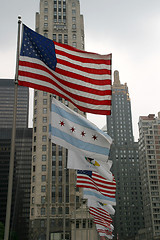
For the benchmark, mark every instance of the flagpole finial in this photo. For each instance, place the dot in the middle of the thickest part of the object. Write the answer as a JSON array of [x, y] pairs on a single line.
[[19, 19]]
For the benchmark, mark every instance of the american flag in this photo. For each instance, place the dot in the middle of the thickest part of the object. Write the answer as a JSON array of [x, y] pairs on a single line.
[[92, 180], [81, 77], [100, 213], [102, 223]]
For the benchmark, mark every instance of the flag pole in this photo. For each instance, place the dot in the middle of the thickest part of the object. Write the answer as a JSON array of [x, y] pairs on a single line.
[[11, 164], [75, 220], [64, 198], [49, 184]]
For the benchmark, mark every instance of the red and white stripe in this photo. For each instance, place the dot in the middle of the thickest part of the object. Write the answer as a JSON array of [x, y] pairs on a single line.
[[104, 186], [100, 213], [81, 77]]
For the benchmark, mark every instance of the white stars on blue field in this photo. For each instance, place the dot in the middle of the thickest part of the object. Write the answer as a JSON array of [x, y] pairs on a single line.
[[37, 46]]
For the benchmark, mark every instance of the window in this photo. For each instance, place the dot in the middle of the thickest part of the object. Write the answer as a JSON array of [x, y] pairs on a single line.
[[35, 111], [46, 3], [53, 210], [45, 18], [60, 38], [67, 210], [32, 211], [54, 37], [44, 157], [33, 189], [45, 10], [73, 12], [43, 211], [44, 138], [74, 44], [44, 128], [44, 110], [43, 178], [44, 147], [73, 26], [32, 200], [73, 19], [34, 168], [35, 102], [46, 35], [44, 119], [44, 101], [74, 36], [33, 178], [43, 199], [35, 129], [60, 210], [73, 4], [43, 188], [42, 223], [65, 39], [43, 168], [45, 24], [34, 158], [34, 138]]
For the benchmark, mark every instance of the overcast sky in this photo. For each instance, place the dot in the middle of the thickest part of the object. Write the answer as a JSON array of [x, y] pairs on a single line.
[[129, 29]]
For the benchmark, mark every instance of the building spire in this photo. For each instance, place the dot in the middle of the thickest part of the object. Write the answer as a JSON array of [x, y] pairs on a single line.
[[116, 78]]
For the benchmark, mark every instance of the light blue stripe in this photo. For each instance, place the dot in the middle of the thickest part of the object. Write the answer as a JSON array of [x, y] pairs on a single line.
[[79, 143], [100, 196], [76, 119]]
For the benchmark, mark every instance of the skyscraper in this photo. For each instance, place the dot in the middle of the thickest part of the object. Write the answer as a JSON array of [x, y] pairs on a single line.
[[149, 157], [7, 102], [53, 186], [128, 217], [22, 161]]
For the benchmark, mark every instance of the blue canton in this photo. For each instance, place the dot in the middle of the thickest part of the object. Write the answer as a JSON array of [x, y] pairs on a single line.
[[37, 46], [89, 173]]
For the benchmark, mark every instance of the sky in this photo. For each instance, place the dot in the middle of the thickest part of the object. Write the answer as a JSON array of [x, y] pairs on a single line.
[[128, 29]]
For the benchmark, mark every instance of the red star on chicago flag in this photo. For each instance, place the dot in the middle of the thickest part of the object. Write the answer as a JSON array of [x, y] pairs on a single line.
[[83, 134], [94, 137], [62, 123], [72, 129]]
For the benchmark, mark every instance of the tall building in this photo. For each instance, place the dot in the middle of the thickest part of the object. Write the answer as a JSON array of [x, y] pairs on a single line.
[[20, 210], [7, 102], [149, 157], [52, 184], [128, 217], [23, 155]]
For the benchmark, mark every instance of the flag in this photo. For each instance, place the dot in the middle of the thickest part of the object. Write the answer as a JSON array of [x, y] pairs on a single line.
[[97, 196], [103, 232], [74, 132], [81, 162], [92, 180], [91, 202], [80, 77], [99, 213], [103, 223]]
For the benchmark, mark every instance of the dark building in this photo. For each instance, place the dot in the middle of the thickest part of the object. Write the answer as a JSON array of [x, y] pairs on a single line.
[[21, 181], [7, 102], [128, 218], [20, 210]]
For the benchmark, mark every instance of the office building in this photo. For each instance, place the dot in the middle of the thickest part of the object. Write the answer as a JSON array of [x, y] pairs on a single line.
[[149, 157], [20, 210], [128, 217], [53, 193], [7, 102]]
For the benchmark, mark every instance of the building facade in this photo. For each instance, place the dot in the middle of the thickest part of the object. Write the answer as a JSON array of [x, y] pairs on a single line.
[[20, 210], [128, 217], [149, 157], [54, 198], [7, 102]]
